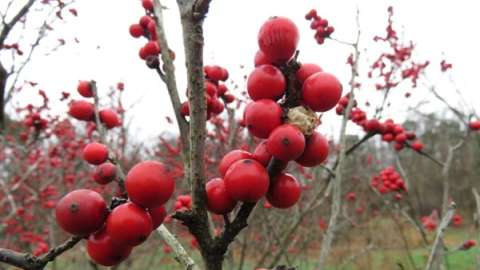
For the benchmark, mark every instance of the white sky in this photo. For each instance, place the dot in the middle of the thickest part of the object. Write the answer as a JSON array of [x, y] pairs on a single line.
[[448, 28]]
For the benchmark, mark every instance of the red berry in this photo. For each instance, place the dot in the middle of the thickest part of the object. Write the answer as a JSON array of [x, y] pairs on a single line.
[[286, 143], [129, 225], [152, 48], [215, 73], [210, 88], [228, 98], [388, 137], [149, 184], [261, 59], [230, 158], [321, 91], [79, 206], [85, 89], [147, 4], [158, 215], [261, 153], [401, 138], [263, 116], [104, 251], [105, 173], [372, 125], [316, 151], [82, 110], [221, 89], [217, 106], [246, 180], [474, 125], [305, 71], [266, 81], [109, 118], [284, 191], [136, 30], [95, 153], [417, 146], [145, 20], [278, 39], [218, 200]]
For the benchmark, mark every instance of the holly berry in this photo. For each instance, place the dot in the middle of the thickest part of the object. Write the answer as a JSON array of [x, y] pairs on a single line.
[[95, 153], [216, 73], [129, 225], [152, 48], [267, 82], [82, 110], [474, 125], [102, 250], [109, 118], [84, 88], [105, 173], [261, 59], [246, 180], [321, 91], [136, 30], [284, 191], [306, 70], [261, 153], [158, 215], [149, 184], [263, 116], [417, 146], [278, 38], [79, 206], [316, 151], [218, 200], [147, 4], [286, 143], [230, 158]]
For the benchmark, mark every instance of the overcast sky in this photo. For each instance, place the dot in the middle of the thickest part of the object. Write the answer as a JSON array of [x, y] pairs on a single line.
[[106, 52]]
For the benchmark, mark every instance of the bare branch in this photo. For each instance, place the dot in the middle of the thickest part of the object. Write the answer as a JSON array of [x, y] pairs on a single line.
[[437, 244]]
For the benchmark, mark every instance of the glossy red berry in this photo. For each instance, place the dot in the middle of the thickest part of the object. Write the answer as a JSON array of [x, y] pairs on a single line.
[[305, 71], [129, 225], [95, 153], [84, 88], [261, 59], [263, 116], [321, 91], [105, 173], [149, 184], [372, 125], [152, 48], [147, 4], [102, 250], [316, 150], [286, 143], [401, 138], [417, 146], [145, 20], [284, 191], [278, 38], [82, 110], [79, 206], [109, 118], [267, 82], [158, 215], [246, 180], [474, 125], [230, 158], [136, 30], [218, 200], [261, 153], [216, 73]]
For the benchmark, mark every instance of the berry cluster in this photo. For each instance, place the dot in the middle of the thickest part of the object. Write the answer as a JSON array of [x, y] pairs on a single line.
[[287, 125], [85, 111], [216, 93], [387, 181], [390, 131], [321, 27]]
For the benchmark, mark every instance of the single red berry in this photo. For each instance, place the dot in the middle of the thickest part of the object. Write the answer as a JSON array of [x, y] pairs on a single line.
[[372, 125], [401, 138], [147, 4], [261, 59], [217, 106], [152, 48], [105, 173], [145, 20], [221, 89], [218, 200], [417, 146], [82, 110], [316, 150], [388, 137], [158, 215], [109, 118], [228, 98], [215, 73], [129, 225], [184, 109], [306, 70], [266, 82], [149, 184], [286, 142], [230, 158], [84, 88], [79, 206], [351, 196], [263, 116], [246, 180], [102, 250], [95, 153], [152, 30], [284, 191], [261, 153], [278, 38], [397, 129], [136, 30], [321, 91], [474, 125], [210, 88]]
